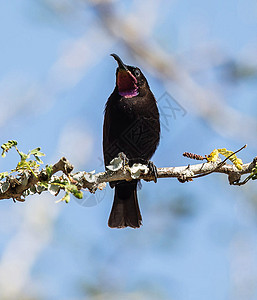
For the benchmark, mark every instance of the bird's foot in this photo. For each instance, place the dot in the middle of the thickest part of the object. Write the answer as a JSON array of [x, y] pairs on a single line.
[[151, 166], [153, 170]]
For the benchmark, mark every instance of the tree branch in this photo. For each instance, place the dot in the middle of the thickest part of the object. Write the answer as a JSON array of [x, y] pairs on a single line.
[[14, 187], [26, 182]]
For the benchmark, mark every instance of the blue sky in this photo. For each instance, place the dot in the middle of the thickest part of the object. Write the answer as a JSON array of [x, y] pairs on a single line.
[[199, 239]]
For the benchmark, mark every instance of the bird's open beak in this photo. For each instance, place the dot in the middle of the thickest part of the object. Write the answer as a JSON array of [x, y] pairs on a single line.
[[119, 61]]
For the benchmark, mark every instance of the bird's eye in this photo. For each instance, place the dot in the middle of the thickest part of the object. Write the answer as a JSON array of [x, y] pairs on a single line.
[[137, 73]]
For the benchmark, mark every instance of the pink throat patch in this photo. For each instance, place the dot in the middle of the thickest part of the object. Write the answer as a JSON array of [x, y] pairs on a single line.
[[129, 94]]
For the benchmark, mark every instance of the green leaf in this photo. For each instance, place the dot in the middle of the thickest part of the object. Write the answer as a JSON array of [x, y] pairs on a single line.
[[7, 146], [32, 164], [3, 175], [40, 153], [73, 189], [23, 156], [70, 187], [253, 175], [65, 198], [49, 170], [57, 181], [36, 152], [43, 184], [38, 159], [21, 165], [78, 194]]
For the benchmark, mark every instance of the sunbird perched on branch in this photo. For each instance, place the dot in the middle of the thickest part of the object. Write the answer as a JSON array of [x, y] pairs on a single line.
[[131, 126]]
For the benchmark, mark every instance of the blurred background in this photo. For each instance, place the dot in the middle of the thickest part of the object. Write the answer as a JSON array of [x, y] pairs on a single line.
[[199, 239]]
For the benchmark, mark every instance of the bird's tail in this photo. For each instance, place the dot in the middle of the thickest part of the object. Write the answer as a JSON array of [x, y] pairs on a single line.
[[125, 209]]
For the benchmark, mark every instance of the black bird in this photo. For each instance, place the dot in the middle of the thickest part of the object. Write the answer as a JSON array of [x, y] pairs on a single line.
[[131, 126]]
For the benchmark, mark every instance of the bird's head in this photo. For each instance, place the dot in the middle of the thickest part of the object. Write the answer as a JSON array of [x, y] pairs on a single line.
[[130, 81]]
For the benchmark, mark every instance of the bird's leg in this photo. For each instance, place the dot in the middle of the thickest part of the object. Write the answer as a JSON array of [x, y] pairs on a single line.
[[153, 170]]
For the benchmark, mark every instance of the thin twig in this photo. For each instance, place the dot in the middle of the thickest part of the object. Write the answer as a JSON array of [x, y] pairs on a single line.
[[220, 164]]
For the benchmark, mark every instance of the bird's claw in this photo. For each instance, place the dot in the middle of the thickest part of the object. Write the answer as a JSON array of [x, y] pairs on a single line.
[[151, 166], [153, 170]]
